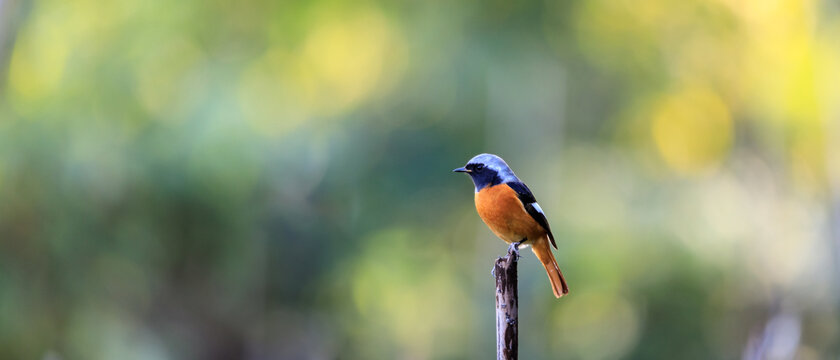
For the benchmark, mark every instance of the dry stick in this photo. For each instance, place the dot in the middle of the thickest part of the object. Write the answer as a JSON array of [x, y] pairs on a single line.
[[507, 305]]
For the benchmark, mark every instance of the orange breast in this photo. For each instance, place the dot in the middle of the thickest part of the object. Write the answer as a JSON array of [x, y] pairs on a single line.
[[505, 215]]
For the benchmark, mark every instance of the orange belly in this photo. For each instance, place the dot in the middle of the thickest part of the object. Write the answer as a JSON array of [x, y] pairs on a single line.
[[505, 215]]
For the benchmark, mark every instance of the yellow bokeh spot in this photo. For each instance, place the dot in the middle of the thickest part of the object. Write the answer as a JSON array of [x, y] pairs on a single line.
[[39, 57], [163, 77], [266, 100], [596, 326], [807, 151], [408, 295], [344, 59], [692, 130]]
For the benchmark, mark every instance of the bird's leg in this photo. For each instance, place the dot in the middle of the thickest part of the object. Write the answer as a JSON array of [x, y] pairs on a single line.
[[514, 247]]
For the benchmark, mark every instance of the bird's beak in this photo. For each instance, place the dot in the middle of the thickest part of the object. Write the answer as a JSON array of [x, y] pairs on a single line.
[[461, 169]]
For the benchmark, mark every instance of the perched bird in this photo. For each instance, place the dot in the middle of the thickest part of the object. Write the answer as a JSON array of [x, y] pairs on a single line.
[[510, 210]]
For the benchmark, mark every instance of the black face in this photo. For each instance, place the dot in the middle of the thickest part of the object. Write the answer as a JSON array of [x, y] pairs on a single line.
[[483, 176]]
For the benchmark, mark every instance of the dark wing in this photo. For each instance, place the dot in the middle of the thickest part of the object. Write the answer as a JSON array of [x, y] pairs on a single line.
[[531, 206]]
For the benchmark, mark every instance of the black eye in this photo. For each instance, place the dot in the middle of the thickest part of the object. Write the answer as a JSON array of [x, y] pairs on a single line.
[[479, 167]]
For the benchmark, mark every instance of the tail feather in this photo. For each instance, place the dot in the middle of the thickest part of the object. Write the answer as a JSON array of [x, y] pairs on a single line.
[[558, 283]]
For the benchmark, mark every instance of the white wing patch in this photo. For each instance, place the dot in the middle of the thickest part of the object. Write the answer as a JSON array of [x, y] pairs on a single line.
[[537, 206]]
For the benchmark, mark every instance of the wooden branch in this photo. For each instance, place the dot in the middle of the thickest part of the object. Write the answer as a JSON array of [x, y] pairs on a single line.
[[507, 305]]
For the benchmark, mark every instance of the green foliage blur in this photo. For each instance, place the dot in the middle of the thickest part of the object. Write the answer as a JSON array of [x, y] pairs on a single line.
[[272, 179]]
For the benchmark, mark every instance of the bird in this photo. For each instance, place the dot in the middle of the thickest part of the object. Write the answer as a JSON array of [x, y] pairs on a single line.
[[511, 211]]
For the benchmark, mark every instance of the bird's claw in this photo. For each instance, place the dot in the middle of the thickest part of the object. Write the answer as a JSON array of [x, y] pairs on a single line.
[[514, 248]]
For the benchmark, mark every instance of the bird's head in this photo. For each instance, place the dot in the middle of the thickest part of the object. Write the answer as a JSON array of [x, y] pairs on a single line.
[[487, 170]]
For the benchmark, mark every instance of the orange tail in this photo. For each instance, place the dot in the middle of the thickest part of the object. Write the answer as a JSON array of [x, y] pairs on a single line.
[[558, 283]]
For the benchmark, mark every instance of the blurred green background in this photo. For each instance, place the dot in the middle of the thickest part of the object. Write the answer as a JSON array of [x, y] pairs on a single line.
[[271, 180]]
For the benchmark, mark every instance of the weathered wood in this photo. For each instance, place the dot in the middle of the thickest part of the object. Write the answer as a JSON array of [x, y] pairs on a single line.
[[507, 305]]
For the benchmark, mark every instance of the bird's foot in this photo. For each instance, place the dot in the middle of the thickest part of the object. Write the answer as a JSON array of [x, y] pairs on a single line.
[[514, 248]]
